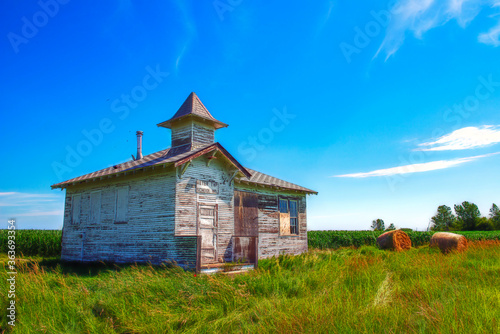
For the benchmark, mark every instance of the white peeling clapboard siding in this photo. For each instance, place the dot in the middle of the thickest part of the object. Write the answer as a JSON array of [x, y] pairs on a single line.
[[76, 209], [121, 204], [192, 133], [202, 135], [181, 135], [147, 234], [95, 206], [271, 243], [187, 201]]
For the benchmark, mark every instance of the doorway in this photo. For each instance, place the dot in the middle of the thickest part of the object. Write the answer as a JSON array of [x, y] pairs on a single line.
[[207, 225], [246, 227]]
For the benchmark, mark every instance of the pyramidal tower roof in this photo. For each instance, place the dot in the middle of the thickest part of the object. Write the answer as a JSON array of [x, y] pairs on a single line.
[[193, 108]]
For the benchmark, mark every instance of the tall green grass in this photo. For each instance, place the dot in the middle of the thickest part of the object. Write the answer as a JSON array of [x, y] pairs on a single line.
[[34, 242], [349, 290]]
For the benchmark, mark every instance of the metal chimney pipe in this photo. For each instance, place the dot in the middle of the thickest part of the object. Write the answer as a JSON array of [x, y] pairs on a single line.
[[139, 145]]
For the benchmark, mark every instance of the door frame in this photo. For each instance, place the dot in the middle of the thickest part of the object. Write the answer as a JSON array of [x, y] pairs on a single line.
[[246, 231], [216, 229]]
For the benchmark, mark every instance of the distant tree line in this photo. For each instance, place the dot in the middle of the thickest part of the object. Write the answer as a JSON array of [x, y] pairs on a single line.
[[379, 225], [466, 218]]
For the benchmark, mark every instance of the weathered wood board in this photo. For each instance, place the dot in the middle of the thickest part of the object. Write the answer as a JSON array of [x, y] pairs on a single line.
[[271, 242], [284, 223], [193, 133], [188, 198], [246, 214], [245, 249], [207, 225], [146, 235]]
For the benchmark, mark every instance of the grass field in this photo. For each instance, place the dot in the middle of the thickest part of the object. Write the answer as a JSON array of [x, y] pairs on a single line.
[[348, 290]]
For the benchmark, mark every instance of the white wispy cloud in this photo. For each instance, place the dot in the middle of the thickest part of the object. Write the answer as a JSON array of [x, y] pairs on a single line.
[[14, 196], [417, 168], [189, 29], [419, 16], [326, 17], [464, 139], [32, 209], [492, 36], [41, 213], [28, 200]]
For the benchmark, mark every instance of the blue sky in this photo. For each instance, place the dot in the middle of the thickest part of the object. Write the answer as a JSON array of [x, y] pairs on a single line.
[[391, 108]]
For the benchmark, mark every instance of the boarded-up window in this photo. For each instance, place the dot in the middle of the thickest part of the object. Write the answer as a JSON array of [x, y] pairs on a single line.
[[289, 220], [284, 217], [76, 205], [95, 207], [121, 205]]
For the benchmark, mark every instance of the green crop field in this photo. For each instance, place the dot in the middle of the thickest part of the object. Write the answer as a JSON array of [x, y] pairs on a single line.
[[336, 239], [48, 242], [34, 242], [348, 290]]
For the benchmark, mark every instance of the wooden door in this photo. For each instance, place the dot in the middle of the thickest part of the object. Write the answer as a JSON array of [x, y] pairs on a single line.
[[207, 225], [246, 214], [246, 226]]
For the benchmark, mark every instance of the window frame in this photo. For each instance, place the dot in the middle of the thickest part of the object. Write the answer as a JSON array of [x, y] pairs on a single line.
[[280, 200], [295, 218]]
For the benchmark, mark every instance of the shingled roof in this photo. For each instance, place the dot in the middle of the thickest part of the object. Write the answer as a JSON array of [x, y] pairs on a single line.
[[193, 107], [176, 156], [179, 156], [267, 180]]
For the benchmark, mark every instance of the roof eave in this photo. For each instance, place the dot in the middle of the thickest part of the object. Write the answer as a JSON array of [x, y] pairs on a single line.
[[68, 183], [305, 191], [215, 123]]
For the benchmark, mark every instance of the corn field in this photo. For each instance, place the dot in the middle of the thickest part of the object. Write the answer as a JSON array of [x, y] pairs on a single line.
[[34, 242], [337, 239]]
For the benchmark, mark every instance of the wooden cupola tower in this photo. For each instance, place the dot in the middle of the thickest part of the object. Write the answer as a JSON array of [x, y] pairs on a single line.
[[192, 125]]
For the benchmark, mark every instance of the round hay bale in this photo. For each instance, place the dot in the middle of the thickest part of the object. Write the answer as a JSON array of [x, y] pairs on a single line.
[[448, 242], [396, 240]]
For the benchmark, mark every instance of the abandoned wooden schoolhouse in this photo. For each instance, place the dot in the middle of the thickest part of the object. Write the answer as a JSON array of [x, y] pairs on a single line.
[[192, 203]]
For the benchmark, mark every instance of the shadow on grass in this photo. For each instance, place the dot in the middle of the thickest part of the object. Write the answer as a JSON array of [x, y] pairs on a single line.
[[91, 269]]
